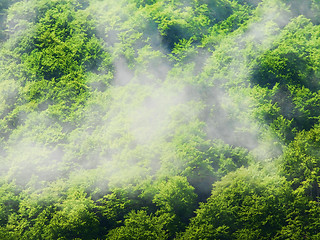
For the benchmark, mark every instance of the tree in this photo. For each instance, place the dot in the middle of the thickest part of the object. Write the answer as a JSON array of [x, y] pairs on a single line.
[[300, 163], [139, 225], [247, 203], [176, 198]]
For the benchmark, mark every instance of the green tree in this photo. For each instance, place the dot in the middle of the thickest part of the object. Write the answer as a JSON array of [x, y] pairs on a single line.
[[247, 203], [139, 225], [73, 218], [177, 198], [300, 163]]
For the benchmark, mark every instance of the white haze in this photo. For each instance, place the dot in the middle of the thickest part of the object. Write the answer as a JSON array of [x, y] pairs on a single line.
[[136, 116]]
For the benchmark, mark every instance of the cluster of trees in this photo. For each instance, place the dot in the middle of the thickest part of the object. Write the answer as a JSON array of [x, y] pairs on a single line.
[[158, 119]]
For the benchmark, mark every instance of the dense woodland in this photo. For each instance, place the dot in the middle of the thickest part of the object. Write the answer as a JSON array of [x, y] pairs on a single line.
[[159, 119]]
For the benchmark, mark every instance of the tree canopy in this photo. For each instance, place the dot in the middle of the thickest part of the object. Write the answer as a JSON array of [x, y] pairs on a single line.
[[158, 119]]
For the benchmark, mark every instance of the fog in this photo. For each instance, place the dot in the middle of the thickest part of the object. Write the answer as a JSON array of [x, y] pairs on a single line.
[[145, 101]]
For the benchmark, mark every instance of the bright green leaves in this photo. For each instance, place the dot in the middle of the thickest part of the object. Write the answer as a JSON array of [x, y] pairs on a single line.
[[307, 109], [300, 163], [175, 201], [74, 218], [177, 197], [8, 97], [176, 23], [238, 19], [113, 207], [61, 48], [244, 205], [64, 43], [9, 201], [290, 71], [139, 225], [183, 50], [290, 60], [54, 217], [201, 91], [179, 20]]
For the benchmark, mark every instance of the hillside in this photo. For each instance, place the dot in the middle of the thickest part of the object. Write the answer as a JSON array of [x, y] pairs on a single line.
[[159, 119]]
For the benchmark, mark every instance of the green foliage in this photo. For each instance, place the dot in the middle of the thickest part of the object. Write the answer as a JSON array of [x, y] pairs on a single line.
[[300, 164], [159, 119], [139, 225], [9, 202], [113, 207], [55, 54], [238, 19], [245, 204], [3, 7], [287, 62], [176, 196], [74, 218]]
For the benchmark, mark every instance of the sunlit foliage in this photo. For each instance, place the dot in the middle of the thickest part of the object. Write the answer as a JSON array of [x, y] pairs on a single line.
[[159, 119]]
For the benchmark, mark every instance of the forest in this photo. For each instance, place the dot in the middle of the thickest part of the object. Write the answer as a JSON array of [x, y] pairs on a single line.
[[159, 119]]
